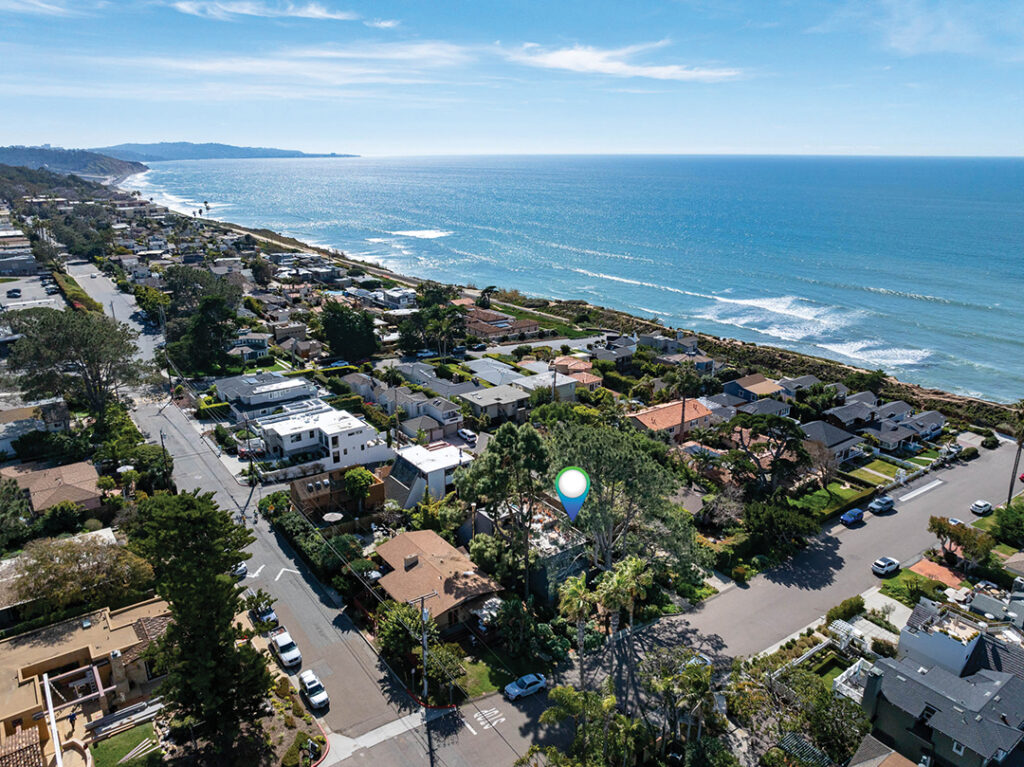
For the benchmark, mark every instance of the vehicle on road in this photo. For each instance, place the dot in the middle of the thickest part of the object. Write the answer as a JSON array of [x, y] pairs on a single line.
[[423, 354], [262, 614], [284, 647], [93, 275], [313, 690], [881, 505], [885, 566], [525, 685], [467, 435], [14, 293], [1021, 477], [955, 521], [478, 348], [459, 351], [241, 570], [852, 517], [981, 508]]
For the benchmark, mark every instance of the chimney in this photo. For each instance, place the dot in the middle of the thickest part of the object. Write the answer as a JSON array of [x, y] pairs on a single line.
[[411, 561], [872, 689]]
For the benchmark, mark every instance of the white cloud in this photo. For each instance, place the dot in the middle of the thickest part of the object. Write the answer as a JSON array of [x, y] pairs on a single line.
[[382, 23], [430, 53], [226, 10], [616, 62], [39, 7], [993, 28]]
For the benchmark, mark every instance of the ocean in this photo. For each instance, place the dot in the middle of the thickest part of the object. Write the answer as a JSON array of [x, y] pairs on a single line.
[[912, 265]]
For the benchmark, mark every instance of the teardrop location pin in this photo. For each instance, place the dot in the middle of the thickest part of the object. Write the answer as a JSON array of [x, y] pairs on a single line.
[[572, 485]]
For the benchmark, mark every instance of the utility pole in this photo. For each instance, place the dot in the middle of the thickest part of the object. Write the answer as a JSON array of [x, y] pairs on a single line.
[[163, 456], [424, 617]]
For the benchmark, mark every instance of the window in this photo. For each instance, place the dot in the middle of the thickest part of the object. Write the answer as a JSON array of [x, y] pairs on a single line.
[[334, 443], [312, 434], [336, 459], [296, 437], [928, 713], [958, 747]]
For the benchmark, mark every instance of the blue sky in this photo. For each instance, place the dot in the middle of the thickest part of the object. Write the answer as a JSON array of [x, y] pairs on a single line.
[[521, 76]]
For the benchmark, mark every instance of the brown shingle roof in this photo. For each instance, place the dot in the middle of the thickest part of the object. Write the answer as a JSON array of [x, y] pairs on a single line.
[[439, 567], [666, 416], [586, 378], [74, 482], [22, 749]]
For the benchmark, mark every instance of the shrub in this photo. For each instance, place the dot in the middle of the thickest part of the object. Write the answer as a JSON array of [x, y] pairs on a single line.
[[845, 610], [92, 524], [740, 573], [969, 453], [215, 410], [883, 647], [990, 443], [293, 755]]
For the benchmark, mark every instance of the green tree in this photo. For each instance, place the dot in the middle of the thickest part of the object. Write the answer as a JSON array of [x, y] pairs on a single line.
[[443, 515], [613, 595], [188, 286], [54, 574], [575, 604], [446, 324], [358, 482], [778, 528], [151, 301], [484, 299], [262, 271], [975, 544], [493, 557], [81, 355], [430, 293], [15, 515], [398, 627], [628, 487], [1010, 523], [941, 529], [349, 333], [193, 546], [769, 450], [511, 475], [208, 331], [601, 735]]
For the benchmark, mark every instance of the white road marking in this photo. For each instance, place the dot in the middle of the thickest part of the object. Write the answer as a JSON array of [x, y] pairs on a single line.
[[925, 489], [488, 718], [260, 570], [468, 726], [283, 571]]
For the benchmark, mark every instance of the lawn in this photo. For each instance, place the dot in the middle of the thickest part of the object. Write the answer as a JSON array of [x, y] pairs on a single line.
[[930, 454], [986, 523], [1005, 550], [921, 461], [491, 670], [883, 467], [873, 479], [907, 587], [562, 328], [109, 752], [821, 501]]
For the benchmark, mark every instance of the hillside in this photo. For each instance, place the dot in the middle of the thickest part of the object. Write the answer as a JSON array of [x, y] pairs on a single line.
[[18, 181], [186, 150], [78, 161]]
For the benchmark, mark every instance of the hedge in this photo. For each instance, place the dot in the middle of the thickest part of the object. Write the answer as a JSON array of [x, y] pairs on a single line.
[[346, 402], [853, 503], [217, 410], [845, 610], [75, 294]]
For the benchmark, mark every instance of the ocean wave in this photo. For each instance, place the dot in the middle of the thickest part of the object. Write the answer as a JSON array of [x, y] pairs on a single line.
[[590, 252], [892, 356], [422, 234]]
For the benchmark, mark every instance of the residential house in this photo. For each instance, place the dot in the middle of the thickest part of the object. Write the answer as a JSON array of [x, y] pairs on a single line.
[[306, 349], [401, 398], [874, 753], [422, 563], [396, 298], [567, 365], [622, 356], [94, 664], [499, 403], [323, 493], [851, 416], [46, 487], [890, 435], [250, 346], [790, 386], [668, 418], [495, 372], [680, 344], [289, 329], [425, 375], [365, 386], [561, 387], [752, 387], [701, 363], [43, 415], [334, 438], [256, 395], [867, 397], [722, 406], [927, 425], [842, 444], [421, 472], [766, 406], [896, 411], [587, 381], [490, 325]]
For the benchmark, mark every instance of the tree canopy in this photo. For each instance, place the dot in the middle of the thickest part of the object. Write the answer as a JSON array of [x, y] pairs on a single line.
[[81, 355], [349, 333]]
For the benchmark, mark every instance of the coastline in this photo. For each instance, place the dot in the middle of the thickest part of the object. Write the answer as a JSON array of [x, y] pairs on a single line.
[[768, 358]]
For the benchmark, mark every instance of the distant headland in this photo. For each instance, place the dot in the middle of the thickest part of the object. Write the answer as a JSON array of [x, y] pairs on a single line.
[[186, 150]]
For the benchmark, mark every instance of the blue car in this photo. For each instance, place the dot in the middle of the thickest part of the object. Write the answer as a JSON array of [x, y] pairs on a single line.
[[852, 517]]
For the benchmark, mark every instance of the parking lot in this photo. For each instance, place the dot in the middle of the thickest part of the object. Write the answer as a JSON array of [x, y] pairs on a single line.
[[33, 293]]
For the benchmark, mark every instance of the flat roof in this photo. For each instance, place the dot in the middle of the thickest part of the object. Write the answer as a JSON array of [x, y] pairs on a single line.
[[435, 457], [327, 420]]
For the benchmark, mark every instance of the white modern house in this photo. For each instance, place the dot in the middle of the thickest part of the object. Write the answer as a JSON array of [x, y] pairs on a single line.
[[337, 437], [421, 471], [255, 396]]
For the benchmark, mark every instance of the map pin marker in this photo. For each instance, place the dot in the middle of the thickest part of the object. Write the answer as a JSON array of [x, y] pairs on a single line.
[[572, 485]]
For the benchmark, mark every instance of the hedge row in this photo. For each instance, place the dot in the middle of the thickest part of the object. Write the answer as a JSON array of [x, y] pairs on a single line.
[[74, 293], [216, 410]]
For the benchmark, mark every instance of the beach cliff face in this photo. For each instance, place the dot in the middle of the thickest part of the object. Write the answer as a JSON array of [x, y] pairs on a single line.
[[772, 361]]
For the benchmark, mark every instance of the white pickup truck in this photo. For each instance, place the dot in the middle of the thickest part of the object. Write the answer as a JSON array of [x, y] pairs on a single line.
[[284, 647]]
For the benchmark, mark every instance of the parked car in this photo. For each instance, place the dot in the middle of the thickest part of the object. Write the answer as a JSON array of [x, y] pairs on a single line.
[[881, 505], [699, 659], [313, 690], [14, 293], [478, 347], [459, 351], [422, 354], [954, 521], [467, 435], [525, 685], [263, 614], [241, 570], [852, 517], [284, 647], [885, 566], [981, 508], [1021, 477]]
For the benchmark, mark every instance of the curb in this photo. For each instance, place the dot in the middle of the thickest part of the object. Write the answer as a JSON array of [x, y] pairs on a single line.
[[327, 743]]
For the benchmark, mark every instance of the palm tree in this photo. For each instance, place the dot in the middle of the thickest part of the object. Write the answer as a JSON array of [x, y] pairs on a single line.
[[575, 603], [484, 299], [1018, 436], [636, 579], [611, 594], [695, 679]]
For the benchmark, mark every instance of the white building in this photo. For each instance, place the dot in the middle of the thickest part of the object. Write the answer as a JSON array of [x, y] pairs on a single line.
[[255, 396], [425, 471], [337, 437]]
